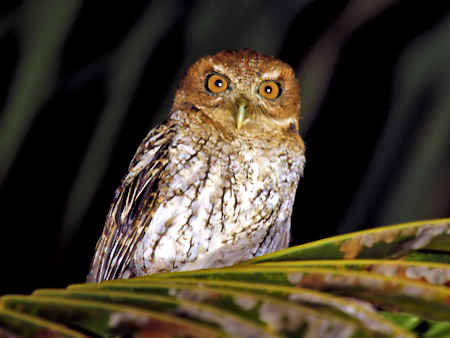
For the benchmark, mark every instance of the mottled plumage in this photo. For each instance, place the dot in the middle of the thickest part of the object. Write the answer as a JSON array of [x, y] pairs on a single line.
[[215, 184]]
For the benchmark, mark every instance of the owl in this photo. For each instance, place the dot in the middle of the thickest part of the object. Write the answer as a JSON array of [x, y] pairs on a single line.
[[215, 184]]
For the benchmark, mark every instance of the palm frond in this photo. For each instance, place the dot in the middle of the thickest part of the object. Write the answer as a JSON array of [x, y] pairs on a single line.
[[385, 282]]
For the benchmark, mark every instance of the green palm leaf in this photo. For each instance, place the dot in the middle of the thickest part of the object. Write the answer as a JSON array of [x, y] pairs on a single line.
[[384, 282]]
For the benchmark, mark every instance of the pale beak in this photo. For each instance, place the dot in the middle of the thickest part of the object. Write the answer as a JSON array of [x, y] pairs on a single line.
[[241, 111]]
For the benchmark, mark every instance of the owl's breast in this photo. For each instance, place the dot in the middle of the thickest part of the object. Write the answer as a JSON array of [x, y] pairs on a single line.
[[223, 202]]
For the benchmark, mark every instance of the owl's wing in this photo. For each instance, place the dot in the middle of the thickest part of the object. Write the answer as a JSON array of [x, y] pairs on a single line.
[[131, 210]]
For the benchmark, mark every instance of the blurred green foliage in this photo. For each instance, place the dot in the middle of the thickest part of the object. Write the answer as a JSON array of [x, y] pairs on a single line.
[[141, 49]]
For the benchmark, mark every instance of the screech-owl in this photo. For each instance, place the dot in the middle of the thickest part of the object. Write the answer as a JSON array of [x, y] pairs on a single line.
[[215, 184]]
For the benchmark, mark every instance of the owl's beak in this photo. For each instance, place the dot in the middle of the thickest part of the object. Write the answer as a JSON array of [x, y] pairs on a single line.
[[241, 111]]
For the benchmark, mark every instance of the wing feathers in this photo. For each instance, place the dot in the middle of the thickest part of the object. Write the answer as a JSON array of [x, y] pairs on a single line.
[[132, 207]]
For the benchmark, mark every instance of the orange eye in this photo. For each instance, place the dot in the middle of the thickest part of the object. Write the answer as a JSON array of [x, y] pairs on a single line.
[[270, 90], [216, 83]]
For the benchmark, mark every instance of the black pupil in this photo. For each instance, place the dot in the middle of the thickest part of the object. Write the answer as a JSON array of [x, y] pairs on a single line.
[[268, 89], [218, 83]]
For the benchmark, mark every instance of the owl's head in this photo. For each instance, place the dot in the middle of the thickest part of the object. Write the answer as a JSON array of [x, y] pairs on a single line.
[[248, 93]]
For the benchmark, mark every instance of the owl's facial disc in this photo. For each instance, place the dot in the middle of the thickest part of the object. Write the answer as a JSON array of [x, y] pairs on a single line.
[[247, 93]]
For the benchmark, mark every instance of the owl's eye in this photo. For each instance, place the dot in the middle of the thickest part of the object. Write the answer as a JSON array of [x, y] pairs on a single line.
[[216, 83], [270, 90]]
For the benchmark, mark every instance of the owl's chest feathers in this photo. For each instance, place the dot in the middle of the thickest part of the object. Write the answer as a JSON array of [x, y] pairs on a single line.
[[223, 202]]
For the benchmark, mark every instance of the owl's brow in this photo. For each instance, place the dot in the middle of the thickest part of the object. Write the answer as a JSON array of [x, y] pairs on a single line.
[[219, 68], [271, 75]]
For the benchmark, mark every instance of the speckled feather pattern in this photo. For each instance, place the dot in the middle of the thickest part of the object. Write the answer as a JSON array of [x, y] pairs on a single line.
[[226, 202], [200, 193]]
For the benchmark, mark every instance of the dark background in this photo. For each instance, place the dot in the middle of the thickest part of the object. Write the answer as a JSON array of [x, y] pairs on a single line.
[[83, 81]]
